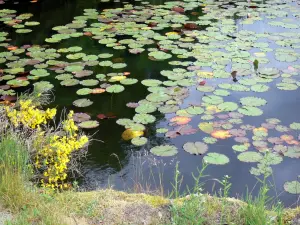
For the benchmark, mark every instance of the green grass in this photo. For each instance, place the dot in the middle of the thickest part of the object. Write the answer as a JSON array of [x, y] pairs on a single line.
[[14, 171]]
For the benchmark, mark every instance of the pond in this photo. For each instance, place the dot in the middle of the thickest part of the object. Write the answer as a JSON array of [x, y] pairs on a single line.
[[166, 83]]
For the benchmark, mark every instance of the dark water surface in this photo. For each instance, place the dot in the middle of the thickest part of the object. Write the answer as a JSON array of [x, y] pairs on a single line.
[[118, 163]]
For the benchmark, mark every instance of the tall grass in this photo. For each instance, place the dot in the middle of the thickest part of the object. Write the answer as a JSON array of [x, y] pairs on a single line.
[[14, 171]]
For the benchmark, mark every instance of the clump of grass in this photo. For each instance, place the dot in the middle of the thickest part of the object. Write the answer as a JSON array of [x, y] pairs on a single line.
[[14, 171], [261, 209]]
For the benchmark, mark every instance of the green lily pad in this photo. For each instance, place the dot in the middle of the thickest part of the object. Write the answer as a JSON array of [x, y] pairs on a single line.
[[212, 99], [195, 148], [295, 126], [74, 68], [39, 72], [128, 81], [144, 118], [146, 108], [23, 31], [88, 124], [119, 65], [240, 148], [253, 101], [32, 23], [259, 88], [18, 83], [228, 106], [151, 82], [287, 86], [69, 82], [83, 102], [250, 157], [292, 187], [125, 122], [84, 91], [43, 86], [139, 141], [161, 130], [216, 158], [158, 97], [206, 88], [164, 150], [159, 55], [116, 88], [105, 55], [194, 110], [250, 111], [210, 140], [89, 82]]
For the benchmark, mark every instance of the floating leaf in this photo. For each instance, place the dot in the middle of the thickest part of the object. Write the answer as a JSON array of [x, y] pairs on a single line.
[[228, 106], [146, 108], [84, 91], [81, 117], [144, 118], [164, 150], [292, 187], [151, 82], [139, 141], [250, 111], [129, 81], [206, 127], [116, 88], [210, 140], [216, 158], [88, 124], [253, 101], [89, 82], [69, 82], [240, 148], [250, 157], [161, 130], [195, 148], [83, 102], [295, 126], [159, 55]]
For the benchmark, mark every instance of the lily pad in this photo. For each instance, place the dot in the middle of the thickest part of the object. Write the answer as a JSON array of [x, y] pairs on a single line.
[[81, 117], [216, 158], [151, 82], [83, 102], [250, 111], [195, 148], [139, 141], [228, 106], [116, 88], [84, 91], [292, 187], [253, 101], [144, 118], [164, 150], [88, 124], [250, 157]]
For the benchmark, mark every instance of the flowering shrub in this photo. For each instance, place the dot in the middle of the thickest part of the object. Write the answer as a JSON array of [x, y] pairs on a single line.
[[28, 115], [55, 154], [52, 151]]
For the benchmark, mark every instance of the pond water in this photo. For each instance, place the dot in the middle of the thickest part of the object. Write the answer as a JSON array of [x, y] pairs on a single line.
[[242, 126]]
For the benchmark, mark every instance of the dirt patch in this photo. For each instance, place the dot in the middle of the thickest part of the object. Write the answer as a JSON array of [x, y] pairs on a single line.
[[132, 213], [4, 216]]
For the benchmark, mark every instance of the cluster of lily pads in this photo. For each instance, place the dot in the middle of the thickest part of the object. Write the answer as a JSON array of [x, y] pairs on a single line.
[[210, 55], [18, 22]]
